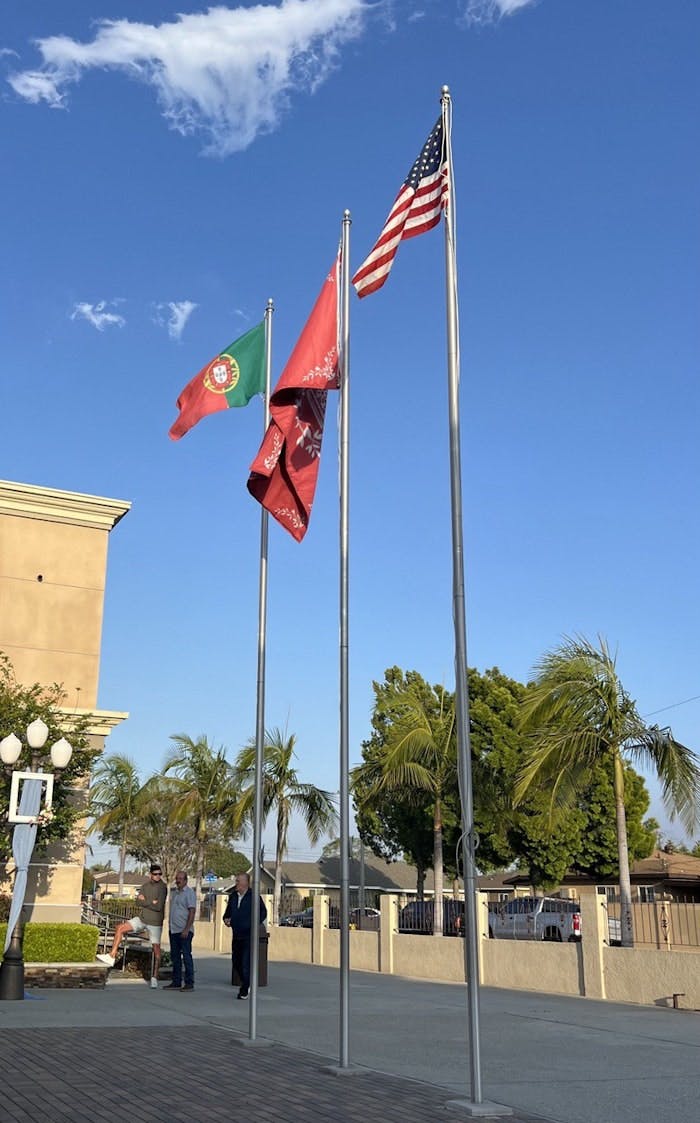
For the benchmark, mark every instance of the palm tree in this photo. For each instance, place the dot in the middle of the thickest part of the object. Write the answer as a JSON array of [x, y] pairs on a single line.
[[204, 791], [419, 755], [114, 802], [283, 791], [578, 715]]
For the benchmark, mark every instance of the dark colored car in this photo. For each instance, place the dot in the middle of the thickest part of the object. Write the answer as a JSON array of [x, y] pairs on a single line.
[[417, 917], [303, 919], [365, 919]]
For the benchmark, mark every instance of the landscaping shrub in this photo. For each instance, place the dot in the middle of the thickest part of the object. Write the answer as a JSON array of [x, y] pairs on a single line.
[[57, 943]]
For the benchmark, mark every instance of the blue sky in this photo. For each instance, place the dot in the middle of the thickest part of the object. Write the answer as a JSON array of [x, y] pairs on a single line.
[[164, 174]]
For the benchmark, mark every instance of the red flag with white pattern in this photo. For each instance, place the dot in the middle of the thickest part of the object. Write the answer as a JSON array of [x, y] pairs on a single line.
[[284, 473]]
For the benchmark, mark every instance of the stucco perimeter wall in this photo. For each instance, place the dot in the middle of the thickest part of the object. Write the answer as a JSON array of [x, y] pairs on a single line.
[[429, 957], [290, 945], [651, 978], [589, 969], [530, 965]]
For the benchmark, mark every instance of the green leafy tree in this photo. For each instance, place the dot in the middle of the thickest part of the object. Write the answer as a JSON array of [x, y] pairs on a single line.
[[391, 824], [596, 854], [332, 848], [156, 836], [578, 714], [114, 803], [417, 756], [284, 793], [496, 745], [205, 794], [224, 861], [19, 707]]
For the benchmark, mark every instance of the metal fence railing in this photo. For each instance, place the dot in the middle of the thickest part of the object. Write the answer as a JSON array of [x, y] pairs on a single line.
[[671, 925]]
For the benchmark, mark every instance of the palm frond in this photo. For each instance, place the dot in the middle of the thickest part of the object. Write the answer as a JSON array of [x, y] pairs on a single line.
[[678, 770]]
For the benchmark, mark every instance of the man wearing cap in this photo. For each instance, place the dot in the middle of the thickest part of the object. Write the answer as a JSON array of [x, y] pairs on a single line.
[[151, 896]]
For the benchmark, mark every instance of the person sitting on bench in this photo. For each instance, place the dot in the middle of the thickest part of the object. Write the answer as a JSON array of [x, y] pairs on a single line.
[[151, 896]]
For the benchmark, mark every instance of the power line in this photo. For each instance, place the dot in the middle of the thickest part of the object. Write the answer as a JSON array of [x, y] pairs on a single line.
[[674, 706]]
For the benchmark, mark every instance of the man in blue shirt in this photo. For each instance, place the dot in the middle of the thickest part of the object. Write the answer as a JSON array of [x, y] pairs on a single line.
[[238, 917], [183, 906]]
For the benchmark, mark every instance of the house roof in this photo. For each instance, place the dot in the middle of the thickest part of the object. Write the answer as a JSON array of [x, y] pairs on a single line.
[[677, 869], [669, 867], [130, 877], [387, 877]]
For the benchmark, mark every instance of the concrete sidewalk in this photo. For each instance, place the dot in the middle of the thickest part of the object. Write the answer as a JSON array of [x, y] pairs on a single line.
[[85, 1054]]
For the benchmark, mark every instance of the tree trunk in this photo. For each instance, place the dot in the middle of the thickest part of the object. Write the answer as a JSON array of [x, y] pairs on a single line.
[[437, 868], [280, 847], [626, 927], [122, 864], [201, 849], [420, 882]]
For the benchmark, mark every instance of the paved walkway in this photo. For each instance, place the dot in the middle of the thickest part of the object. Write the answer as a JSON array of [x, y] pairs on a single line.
[[198, 1073], [85, 1055]]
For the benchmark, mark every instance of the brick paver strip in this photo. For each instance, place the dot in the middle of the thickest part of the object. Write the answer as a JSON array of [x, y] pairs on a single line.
[[201, 1072]]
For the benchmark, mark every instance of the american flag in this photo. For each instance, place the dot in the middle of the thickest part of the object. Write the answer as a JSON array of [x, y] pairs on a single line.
[[417, 208]]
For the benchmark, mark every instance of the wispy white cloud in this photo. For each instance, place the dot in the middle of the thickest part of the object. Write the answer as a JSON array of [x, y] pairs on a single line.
[[174, 315], [487, 11], [228, 73], [96, 315]]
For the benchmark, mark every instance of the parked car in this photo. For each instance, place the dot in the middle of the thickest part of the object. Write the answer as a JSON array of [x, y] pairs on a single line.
[[366, 919], [536, 918], [303, 919], [417, 917]]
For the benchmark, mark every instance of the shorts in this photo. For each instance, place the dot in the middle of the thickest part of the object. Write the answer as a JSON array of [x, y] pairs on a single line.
[[154, 931]]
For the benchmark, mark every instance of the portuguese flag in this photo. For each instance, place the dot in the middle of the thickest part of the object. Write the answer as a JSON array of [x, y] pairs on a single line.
[[231, 379]]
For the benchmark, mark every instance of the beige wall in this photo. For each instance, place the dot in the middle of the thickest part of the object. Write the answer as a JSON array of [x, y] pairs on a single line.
[[588, 969], [53, 563]]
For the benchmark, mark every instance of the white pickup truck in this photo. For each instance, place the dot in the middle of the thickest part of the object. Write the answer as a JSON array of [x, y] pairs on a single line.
[[536, 918]]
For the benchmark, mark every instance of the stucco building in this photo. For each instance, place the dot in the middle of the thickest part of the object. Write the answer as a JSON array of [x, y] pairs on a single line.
[[53, 567]]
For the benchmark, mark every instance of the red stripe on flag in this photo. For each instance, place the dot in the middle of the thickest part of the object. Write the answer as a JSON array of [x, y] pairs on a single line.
[[417, 208]]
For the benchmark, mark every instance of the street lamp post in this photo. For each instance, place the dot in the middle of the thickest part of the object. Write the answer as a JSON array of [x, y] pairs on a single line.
[[25, 812]]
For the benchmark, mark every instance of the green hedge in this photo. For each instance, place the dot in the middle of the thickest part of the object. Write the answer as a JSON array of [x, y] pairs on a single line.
[[57, 943]]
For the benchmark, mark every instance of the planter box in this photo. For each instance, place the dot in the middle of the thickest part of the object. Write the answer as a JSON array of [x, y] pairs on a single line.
[[77, 976]]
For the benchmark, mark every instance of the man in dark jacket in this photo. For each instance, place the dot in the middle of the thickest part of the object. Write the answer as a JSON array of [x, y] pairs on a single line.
[[238, 917]]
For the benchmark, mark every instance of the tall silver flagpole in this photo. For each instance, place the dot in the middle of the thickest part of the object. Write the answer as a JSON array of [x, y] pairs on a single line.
[[344, 369], [471, 948], [260, 716]]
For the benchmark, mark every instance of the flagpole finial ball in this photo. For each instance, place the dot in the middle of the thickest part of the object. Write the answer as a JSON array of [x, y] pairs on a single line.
[[346, 213], [445, 92]]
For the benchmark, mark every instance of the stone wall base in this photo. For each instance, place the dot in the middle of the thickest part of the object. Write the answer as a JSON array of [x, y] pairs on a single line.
[[85, 976]]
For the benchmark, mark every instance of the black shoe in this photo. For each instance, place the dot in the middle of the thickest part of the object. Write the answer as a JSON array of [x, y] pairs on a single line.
[[188, 986], [171, 986], [242, 994]]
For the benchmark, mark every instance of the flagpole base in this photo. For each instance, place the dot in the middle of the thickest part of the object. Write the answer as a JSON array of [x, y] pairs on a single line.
[[485, 1110]]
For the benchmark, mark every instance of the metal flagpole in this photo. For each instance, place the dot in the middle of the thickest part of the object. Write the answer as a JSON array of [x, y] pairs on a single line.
[[471, 949], [260, 717], [344, 370]]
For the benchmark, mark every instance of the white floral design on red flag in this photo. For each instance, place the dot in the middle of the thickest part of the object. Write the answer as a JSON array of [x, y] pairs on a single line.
[[284, 473]]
